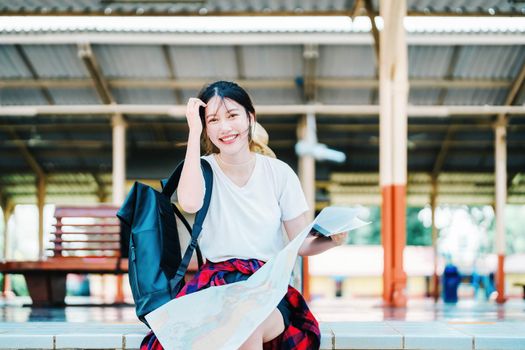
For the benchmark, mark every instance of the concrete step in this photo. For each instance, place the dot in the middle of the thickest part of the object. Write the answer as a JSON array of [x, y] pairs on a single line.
[[335, 335]]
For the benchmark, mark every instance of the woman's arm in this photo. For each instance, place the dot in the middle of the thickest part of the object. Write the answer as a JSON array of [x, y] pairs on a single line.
[[312, 245], [190, 192]]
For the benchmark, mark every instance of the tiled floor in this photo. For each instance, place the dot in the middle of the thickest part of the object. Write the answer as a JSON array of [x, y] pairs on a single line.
[[468, 310], [397, 335], [345, 324], [326, 310]]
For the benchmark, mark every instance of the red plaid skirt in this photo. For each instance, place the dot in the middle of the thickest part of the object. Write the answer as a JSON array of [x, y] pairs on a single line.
[[303, 331]]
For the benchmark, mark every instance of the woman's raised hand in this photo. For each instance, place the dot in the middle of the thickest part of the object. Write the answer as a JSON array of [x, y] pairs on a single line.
[[339, 238], [192, 114]]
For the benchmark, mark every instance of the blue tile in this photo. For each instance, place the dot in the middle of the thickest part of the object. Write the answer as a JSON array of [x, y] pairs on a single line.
[[28, 341], [499, 342]]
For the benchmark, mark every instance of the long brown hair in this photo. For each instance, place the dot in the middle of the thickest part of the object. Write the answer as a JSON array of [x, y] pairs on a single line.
[[232, 91]]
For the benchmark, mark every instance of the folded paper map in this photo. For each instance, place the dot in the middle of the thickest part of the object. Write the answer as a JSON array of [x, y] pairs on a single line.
[[223, 317]]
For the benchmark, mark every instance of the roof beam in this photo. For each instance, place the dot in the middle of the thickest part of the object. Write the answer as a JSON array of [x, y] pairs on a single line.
[[354, 12], [513, 92], [101, 86], [171, 70], [179, 84], [248, 38], [26, 153], [310, 59], [323, 127], [503, 118], [241, 71], [441, 156], [160, 132], [371, 13], [178, 111]]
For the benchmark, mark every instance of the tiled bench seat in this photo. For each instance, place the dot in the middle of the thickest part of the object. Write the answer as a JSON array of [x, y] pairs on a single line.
[[335, 335]]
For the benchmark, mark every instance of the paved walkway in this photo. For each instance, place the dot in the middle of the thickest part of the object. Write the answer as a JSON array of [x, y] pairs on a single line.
[[346, 324], [326, 310], [335, 335]]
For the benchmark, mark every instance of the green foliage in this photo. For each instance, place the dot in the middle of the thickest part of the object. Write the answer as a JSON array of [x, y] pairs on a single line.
[[369, 234], [417, 233], [515, 231], [19, 286]]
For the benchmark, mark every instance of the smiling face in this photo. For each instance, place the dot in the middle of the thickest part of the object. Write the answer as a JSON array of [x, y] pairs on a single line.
[[228, 125]]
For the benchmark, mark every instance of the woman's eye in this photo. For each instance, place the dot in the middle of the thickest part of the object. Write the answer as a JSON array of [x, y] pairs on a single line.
[[212, 120], [232, 116]]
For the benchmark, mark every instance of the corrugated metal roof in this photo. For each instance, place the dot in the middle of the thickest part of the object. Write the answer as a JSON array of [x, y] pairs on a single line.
[[272, 61], [76, 96], [60, 61], [520, 99], [429, 61], [11, 66], [21, 96], [462, 6], [424, 96], [337, 61], [131, 61], [345, 96], [275, 96], [475, 96], [495, 62], [216, 62], [144, 96], [217, 7]]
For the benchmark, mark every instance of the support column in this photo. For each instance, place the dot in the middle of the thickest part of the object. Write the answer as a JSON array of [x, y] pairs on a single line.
[[501, 197], [119, 178], [9, 208], [435, 279], [119, 159], [393, 91], [41, 201], [306, 167]]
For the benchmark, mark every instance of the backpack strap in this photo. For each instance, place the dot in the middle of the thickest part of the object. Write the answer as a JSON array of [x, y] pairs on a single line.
[[169, 187], [188, 227]]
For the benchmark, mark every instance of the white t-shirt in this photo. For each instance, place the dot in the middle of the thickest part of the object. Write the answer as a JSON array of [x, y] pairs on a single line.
[[246, 222]]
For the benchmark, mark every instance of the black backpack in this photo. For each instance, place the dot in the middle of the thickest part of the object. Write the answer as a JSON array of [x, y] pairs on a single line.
[[156, 268]]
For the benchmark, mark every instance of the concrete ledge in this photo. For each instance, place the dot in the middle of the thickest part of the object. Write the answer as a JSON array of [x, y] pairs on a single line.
[[335, 335]]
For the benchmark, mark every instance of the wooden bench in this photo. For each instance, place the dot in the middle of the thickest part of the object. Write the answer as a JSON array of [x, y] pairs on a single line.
[[85, 239]]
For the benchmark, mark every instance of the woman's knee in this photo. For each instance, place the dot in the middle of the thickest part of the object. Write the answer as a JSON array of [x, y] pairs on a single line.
[[273, 326]]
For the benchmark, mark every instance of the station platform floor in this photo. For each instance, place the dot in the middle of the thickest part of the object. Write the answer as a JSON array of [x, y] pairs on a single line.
[[82, 309], [346, 324]]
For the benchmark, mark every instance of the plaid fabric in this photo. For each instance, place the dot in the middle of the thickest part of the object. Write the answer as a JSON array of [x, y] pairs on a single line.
[[302, 333]]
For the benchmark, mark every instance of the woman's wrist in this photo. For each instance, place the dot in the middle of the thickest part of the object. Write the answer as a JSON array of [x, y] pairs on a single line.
[[194, 135]]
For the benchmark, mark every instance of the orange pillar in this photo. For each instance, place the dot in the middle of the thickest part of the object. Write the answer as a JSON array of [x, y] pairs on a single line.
[[306, 279], [119, 297], [501, 198], [306, 166], [393, 95]]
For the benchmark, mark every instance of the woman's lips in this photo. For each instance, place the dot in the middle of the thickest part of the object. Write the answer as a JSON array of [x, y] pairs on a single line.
[[228, 139]]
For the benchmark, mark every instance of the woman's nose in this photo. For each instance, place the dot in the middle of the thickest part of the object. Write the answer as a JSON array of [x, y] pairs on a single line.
[[224, 125]]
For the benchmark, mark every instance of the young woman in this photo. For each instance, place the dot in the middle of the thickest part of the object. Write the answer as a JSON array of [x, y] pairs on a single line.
[[253, 196]]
